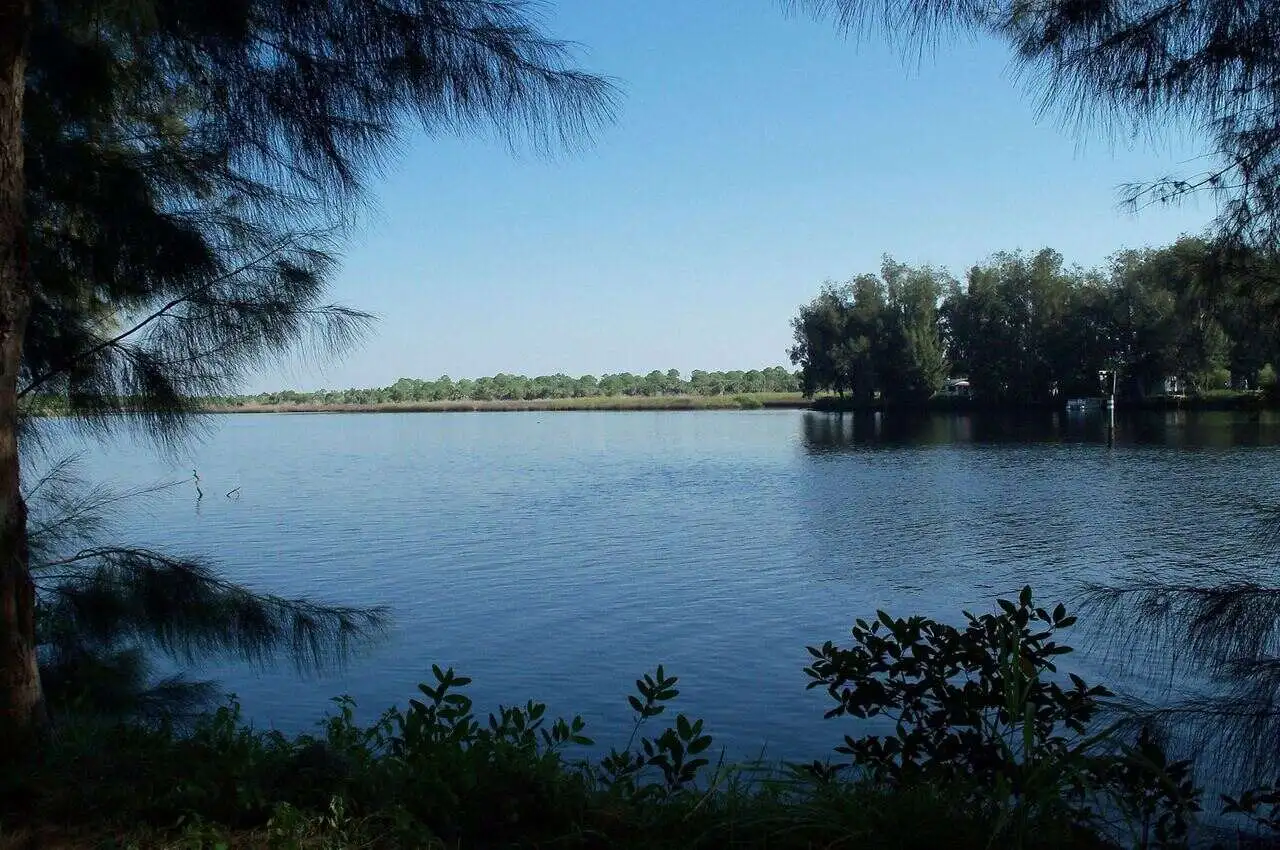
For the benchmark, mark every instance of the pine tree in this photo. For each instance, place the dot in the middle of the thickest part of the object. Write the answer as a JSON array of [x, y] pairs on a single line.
[[174, 179]]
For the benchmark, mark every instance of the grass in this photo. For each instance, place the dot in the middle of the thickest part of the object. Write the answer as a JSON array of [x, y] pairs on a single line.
[[228, 786], [746, 401]]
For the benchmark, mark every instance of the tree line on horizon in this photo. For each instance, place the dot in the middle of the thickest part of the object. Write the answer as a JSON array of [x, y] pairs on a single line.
[[505, 387], [1193, 317]]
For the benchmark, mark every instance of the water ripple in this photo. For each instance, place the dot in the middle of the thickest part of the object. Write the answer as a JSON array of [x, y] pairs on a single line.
[[558, 557]]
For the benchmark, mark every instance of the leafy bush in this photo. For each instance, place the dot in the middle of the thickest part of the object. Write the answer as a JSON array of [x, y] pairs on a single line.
[[979, 707], [990, 746]]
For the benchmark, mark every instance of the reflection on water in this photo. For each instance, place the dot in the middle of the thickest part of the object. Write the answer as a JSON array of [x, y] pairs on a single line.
[[1166, 500], [828, 432]]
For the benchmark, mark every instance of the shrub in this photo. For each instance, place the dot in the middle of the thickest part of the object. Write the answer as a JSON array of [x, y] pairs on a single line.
[[990, 746], [980, 708]]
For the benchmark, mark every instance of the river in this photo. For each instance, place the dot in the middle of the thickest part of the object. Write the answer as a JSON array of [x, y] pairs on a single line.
[[557, 556]]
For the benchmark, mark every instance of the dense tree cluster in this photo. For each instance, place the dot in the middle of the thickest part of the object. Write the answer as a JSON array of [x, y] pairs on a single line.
[[1191, 317], [874, 335], [504, 387]]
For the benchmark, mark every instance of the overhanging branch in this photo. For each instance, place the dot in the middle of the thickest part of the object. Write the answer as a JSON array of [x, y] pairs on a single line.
[[164, 310]]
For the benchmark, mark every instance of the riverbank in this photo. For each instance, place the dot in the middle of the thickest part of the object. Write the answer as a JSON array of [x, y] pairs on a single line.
[[1223, 401], [1229, 402], [745, 401]]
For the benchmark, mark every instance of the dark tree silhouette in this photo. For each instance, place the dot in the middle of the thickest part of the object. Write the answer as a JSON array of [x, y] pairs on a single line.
[[175, 178]]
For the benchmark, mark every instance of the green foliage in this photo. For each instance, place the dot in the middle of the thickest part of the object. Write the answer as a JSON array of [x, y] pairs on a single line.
[[504, 387], [979, 708], [915, 362], [1211, 380], [1013, 328], [1026, 329], [963, 700], [874, 334], [820, 348], [669, 751], [190, 173], [990, 747], [1157, 795]]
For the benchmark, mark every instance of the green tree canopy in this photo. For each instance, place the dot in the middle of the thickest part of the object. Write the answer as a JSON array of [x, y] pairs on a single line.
[[1029, 329], [504, 387], [876, 334]]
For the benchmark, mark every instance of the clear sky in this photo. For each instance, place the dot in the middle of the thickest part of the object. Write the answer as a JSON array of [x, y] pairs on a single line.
[[756, 155]]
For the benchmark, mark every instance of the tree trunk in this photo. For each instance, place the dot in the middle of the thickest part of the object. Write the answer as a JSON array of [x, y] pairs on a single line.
[[21, 699]]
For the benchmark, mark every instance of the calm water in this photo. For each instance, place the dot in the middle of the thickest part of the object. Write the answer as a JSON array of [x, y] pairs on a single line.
[[558, 556]]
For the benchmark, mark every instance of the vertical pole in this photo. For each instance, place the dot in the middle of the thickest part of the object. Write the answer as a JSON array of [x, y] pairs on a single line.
[[1111, 410]]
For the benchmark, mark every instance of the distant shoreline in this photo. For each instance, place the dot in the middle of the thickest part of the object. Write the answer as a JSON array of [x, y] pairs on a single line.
[[745, 401], [1241, 402], [1220, 401]]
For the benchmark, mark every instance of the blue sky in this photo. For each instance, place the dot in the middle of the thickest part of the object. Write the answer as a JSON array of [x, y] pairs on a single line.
[[756, 155]]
